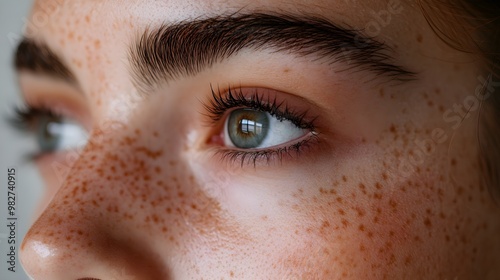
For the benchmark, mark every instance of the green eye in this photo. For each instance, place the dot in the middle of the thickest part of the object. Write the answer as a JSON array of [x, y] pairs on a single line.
[[48, 135], [248, 128], [52, 132], [55, 133], [254, 129]]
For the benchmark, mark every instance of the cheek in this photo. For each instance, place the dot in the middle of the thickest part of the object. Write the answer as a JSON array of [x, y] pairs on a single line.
[[385, 225], [118, 185], [368, 231]]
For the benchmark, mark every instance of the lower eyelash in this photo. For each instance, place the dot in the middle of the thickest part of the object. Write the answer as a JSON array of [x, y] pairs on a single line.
[[253, 157]]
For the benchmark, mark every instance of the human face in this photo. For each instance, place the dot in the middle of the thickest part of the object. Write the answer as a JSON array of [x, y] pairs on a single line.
[[366, 170]]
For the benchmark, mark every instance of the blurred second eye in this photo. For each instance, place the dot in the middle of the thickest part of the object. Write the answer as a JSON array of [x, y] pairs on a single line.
[[255, 129], [52, 132], [55, 133]]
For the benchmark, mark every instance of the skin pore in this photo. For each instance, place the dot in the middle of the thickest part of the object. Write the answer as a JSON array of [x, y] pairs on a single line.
[[389, 187]]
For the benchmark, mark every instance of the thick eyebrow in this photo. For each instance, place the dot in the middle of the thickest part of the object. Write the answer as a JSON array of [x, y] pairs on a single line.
[[38, 58], [186, 48]]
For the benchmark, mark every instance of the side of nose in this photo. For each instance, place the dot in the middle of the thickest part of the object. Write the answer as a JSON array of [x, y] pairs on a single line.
[[90, 230]]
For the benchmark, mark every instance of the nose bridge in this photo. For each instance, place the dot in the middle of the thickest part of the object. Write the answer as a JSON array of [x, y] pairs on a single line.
[[107, 205]]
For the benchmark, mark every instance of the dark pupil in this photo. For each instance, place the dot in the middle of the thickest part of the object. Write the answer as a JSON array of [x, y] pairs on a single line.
[[248, 128], [47, 138]]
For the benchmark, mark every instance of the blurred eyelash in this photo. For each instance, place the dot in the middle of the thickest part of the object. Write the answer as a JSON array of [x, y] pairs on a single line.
[[24, 120], [221, 103], [235, 98], [25, 117]]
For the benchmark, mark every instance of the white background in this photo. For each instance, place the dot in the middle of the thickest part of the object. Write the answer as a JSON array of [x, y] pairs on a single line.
[[13, 146]]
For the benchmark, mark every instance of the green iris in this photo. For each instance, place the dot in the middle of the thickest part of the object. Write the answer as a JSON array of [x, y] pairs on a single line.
[[248, 128], [48, 134]]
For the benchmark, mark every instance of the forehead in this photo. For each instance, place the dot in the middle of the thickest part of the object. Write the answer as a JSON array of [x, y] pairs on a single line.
[[94, 37], [120, 22], [354, 12]]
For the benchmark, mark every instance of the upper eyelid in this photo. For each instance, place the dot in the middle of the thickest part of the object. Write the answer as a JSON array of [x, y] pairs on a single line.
[[57, 96]]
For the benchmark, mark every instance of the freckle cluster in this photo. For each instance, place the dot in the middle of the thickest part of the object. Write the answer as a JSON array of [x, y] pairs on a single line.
[[120, 185], [396, 219]]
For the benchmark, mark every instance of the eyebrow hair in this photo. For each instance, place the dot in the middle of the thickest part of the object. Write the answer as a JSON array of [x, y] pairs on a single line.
[[188, 47], [38, 58]]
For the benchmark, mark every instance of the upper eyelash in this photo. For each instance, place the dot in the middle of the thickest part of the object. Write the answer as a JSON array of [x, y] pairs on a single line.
[[24, 116], [23, 119], [221, 102]]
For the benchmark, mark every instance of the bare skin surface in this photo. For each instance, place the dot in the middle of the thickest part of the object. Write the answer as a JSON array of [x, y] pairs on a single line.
[[390, 190]]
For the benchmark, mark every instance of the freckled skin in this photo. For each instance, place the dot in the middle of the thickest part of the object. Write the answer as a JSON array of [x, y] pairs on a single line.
[[379, 196]]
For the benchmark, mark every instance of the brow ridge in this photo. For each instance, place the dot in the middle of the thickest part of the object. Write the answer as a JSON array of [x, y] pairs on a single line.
[[37, 57], [186, 48]]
